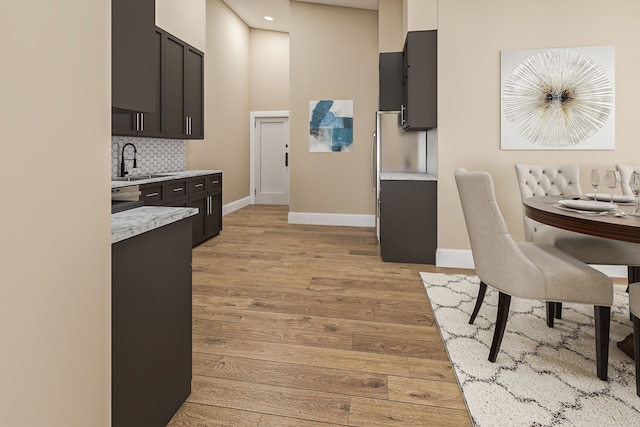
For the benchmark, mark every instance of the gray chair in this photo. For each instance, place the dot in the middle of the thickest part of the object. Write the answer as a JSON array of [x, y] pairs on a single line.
[[563, 180], [625, 177], [634, 309], [528, 270]]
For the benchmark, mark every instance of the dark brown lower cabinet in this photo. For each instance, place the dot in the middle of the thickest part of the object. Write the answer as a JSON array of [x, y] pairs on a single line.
[[208, 222], [203, 192], [408, 221], [151, 325]]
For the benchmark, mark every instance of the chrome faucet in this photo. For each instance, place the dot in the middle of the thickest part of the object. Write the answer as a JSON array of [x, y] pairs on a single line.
[[123, 168]]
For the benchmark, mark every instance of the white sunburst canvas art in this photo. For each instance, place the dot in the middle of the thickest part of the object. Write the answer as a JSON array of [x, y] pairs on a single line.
[[558, 98]]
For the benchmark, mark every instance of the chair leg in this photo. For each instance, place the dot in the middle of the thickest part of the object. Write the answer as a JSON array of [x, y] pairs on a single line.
[[551, 310], [636, 350], [504, 301], [481, 292], [602, 320], [558, 312]]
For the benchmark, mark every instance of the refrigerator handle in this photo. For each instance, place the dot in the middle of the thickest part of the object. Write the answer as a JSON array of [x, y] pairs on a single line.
[[373, 161]]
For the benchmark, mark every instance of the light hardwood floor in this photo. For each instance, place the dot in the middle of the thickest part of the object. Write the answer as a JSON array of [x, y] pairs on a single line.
[[298, 325]]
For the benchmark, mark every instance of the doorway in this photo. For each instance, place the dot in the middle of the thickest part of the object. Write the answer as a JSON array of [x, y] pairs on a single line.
[[270, 171]]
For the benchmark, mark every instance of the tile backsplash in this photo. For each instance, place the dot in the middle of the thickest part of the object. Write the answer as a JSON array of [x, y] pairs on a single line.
[[154, 155]]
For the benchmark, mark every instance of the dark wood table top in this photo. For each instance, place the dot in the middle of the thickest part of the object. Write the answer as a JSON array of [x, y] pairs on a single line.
[[625, 228]]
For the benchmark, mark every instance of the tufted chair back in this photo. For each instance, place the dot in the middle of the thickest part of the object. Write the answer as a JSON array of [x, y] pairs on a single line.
[[625, 177], [546, 180]]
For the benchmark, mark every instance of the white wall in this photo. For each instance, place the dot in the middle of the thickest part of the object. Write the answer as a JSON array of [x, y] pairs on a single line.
[[55, 274]]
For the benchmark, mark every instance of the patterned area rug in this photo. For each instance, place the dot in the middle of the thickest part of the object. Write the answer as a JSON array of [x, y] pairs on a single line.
[[542, 376]]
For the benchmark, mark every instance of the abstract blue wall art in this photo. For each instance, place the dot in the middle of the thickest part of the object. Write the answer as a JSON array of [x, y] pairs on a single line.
[[331, 126]]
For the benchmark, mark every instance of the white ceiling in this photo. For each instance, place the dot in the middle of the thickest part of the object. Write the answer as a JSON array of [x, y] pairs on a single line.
[[252, 12]]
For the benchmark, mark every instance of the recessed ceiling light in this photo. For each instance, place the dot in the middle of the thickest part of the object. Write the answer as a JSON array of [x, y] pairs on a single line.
[[268, 18]]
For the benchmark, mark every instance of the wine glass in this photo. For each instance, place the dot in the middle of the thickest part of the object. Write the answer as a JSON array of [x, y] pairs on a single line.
[[595, 181], [635, 188], [611, 180]]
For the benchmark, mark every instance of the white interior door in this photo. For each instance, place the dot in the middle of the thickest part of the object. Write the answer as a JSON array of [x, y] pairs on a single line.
[[272, 158]]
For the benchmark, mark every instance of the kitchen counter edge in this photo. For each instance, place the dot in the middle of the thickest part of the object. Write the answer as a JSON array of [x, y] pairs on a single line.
[[134, 222], [166, 176], [405, 176]]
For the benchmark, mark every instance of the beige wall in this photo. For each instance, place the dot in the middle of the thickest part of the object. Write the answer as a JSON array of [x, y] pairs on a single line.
[[269, 70], [226, 104], [185, 19], [419, 15], [469, 92], [390, 35], [55, 277], [334, 55]]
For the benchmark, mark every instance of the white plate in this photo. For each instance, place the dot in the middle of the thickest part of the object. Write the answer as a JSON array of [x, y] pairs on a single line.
[[588, 205], [617, 198]]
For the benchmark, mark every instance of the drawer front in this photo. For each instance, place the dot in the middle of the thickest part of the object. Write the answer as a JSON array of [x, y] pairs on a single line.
[[214, 183], [176, 189], [152, 194], [197, 186]]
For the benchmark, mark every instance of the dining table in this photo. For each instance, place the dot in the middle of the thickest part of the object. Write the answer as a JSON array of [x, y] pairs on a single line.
[[617, 223]]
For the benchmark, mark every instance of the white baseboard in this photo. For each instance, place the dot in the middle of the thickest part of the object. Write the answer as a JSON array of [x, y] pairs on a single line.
[[234, 206], [462, 258], [348, 220], [454, 258]]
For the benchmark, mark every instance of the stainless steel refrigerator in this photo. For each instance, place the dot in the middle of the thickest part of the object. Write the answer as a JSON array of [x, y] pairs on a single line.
[[395, 151]]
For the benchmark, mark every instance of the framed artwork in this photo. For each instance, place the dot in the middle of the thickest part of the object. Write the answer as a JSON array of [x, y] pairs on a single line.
[[557, 99], [331, 126]]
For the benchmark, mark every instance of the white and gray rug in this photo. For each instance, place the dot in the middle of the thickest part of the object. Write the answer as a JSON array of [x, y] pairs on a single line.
[[542, 376]]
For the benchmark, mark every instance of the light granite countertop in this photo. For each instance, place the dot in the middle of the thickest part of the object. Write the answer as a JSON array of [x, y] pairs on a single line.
[[164, 176], [404, 176], [133, 222]]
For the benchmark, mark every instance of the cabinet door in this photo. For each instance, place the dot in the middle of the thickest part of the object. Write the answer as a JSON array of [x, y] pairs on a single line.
[[390, 69], [144, 124], [214, 217], [132, 55], [194, 89], [152, 122], [408, 221], [421, 81], [174, 95], [199, 220]]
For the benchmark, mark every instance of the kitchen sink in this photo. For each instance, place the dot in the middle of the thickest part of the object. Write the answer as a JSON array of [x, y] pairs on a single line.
[[137, 177]]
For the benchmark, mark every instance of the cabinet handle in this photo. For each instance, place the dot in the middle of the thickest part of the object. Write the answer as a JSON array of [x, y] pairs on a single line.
[[190, 125], [215, 182], [141, 121], [186, 125], [199, 185], [151, 194], [402, 120], [137, 122], [175, 190]]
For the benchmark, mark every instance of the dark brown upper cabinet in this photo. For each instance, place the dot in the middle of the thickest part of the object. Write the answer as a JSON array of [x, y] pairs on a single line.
[[183, 89], [194, 90], [137, 123], [391, 70], [133, 56], [419, 110]]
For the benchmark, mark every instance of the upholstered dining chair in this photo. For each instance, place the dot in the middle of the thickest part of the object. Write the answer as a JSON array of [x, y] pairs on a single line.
[[563, 180], [625, 177], [634, 309], [528, 270]]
